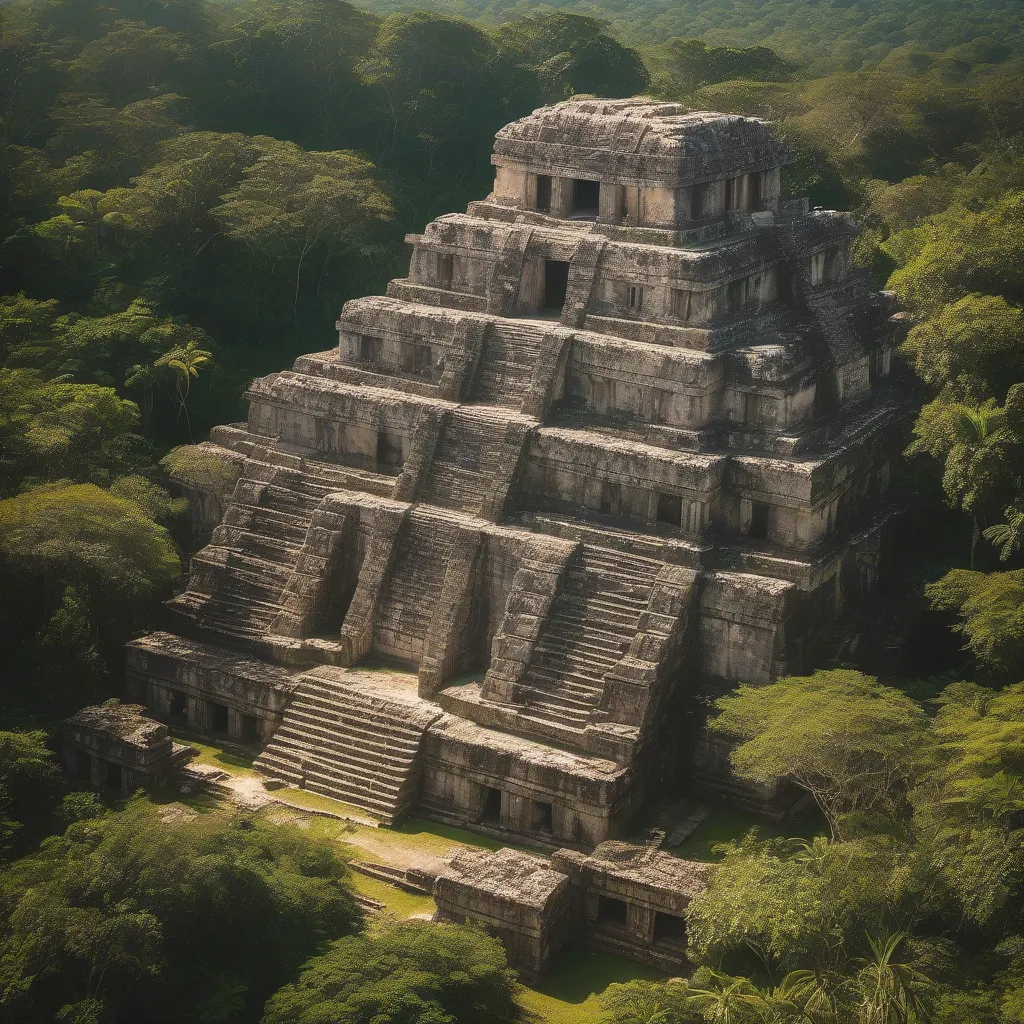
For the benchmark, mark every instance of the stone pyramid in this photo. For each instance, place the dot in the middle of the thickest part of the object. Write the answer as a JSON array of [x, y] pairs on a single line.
[[620, 440]]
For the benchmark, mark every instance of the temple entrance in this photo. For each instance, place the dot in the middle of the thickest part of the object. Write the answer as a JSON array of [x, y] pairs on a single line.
[[218, 718], [611, 911], [556, 284], [492, 806], [586, 199], [178, 711]]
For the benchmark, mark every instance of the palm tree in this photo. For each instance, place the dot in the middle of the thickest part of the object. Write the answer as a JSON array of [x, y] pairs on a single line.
[[185, 361], [888, 988], [727, 1000], [1008, 536]]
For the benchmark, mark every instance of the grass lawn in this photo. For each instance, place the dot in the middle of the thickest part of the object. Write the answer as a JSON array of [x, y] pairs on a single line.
[[723, 825], [400, 903], [568, 994], [212, 754]]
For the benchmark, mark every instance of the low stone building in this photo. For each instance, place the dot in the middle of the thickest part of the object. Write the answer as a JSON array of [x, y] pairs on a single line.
[[114, 746], [634, 899], [620, 440], [516, 897], [622, 898]]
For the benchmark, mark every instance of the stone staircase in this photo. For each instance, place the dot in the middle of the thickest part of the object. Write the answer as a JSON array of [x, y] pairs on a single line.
[[505, 370], [466, 461], [590, 626], [236, 582], [414, 586], [351, 742]]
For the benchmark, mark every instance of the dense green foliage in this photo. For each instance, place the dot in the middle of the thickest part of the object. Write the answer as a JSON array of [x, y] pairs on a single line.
[[849, 33], [188, 193], [913, 913], [412, 973], [131, 917]]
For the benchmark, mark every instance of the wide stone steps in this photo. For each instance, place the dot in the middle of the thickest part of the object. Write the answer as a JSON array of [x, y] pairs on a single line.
[[414, 586], [355, 745], [506, 366], [451, 486], [592, 623]]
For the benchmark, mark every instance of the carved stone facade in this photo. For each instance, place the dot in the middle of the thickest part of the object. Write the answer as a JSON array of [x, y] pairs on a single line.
[[115, 747], [617, 441], [622, 898]]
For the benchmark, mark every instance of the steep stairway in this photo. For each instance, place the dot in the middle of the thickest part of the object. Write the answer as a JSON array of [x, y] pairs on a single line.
[[466, 461], [237, 580], [413, 586], [506, 364], [350, 741], [590, 626]]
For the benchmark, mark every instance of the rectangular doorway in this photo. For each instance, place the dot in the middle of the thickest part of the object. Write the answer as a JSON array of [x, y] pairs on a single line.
[[218, 718], [556, 284], [586, 198], [492, 806]]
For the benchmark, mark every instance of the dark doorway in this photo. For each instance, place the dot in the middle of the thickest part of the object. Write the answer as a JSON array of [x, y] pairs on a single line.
[[445, 270], [369, 349], [556, 284], [492, 805], [250, 729], [759, 520], [586, 198], [83, 765], [218, 718], [113, 776], [670, 509], [542, 817], [670, 927], [389, 451], [179, 707], [611, 910], [544, 193]]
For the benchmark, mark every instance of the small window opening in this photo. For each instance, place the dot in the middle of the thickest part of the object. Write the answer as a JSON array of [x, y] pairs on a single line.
[[751, 408], [586, 198], [669, 927], [218, 718], [113, 775], [754, 191], [698, 201], [544, 193], [817, 268], [541, 817], [556, 284], [611, 910], [492, 805], [83, 765], [369, 349], [759, 520], [733, 193], [179, 707], [250, 729], [445, 270], [670, 509], [389, 450], [611, 497], [734, 296], [682, 303], [634, 297]]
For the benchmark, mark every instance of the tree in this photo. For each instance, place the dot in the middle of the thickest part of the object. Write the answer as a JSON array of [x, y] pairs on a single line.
[[1008, 536], [889, 990], [572, 53], [648, 1002], [28, 774], [850, 742], [991, 611], [186, 361], [132, 917], [411, 973]]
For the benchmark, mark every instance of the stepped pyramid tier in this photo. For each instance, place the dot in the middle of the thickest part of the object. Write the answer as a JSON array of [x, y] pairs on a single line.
[[620, 440]]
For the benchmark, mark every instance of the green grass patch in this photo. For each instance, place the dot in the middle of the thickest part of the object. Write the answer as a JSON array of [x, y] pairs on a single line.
[[569, 993], [400, 903], [316, 802], [723, 825], [228, 760]]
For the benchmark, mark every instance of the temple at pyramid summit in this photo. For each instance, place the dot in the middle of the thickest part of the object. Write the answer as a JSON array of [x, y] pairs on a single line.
[[619, 441]]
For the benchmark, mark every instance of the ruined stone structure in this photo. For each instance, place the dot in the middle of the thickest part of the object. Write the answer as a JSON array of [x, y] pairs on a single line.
[[615, 442], [114, 746], [622, 898]]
